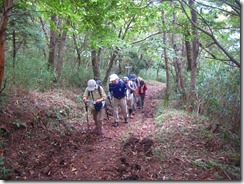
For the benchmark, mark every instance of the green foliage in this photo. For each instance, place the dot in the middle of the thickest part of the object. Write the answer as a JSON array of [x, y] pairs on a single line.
[[220, 88], [160, 154], [3, 170], [73, 77], [211, 165], [30, 72], [151, 74], [18, 124]]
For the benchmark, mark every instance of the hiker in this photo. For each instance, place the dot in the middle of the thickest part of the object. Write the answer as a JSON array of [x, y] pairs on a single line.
[[135, 82], [94, 96], [117, 94], [106, 102], [131, 88], [135, 96], [142, 93]]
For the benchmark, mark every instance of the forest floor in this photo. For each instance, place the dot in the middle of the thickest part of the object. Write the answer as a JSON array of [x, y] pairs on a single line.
[[44, 137]]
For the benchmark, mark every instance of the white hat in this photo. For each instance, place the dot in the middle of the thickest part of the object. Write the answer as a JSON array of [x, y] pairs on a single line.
[[125, 78], [91, 85], [113, 77]]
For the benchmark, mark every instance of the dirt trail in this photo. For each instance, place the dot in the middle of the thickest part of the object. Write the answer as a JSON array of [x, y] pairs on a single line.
[[44, 138], [104, 156]]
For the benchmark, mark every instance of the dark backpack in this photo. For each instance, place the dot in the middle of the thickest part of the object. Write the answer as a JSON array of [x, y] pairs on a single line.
[[98, 106]]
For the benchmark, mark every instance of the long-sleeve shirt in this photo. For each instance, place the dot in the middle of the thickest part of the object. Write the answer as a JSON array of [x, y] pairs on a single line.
[[95, 95], [142, 90], [118, 90]]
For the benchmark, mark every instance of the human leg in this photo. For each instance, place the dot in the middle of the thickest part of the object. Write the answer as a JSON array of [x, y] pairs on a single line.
[[142, 100], [124, 109], [98, 123], [115, 112], [130, 105]]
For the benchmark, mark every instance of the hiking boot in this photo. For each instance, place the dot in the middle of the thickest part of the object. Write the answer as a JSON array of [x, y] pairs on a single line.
[[126, 120], [115, 124]]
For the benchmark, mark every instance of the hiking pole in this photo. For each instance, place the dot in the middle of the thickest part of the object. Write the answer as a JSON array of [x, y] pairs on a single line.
[[88, 126]]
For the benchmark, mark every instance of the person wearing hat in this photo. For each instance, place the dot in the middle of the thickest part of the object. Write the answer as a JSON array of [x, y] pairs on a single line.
[[117, 94], [95, 95], [131, 88], [142, 89]]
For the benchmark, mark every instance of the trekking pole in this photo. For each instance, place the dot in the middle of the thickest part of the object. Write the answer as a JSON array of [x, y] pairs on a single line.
[[88, 126]]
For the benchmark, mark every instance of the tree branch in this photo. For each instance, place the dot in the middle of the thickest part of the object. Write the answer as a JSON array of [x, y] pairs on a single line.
[[160, 32], [236, 14], [211, 35]]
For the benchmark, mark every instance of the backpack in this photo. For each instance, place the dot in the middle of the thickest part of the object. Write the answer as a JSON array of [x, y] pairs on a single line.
[[118, 90], [98, 106]]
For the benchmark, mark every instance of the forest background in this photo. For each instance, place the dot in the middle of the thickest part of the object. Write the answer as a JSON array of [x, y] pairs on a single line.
[[192, 46]]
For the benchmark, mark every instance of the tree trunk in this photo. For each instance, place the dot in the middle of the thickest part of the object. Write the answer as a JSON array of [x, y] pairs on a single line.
[[166, 60], [194, 54], [14, 55], [188, 54], [178, 62], [46, 36], [7, 5], [59, 66], [52, 45], [95, 63], [78, 51], [110, 65]]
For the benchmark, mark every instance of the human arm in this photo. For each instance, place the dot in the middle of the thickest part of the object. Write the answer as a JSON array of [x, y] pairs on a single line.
[[85, 96]]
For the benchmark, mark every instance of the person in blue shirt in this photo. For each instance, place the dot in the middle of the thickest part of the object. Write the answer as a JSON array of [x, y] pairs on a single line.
[[118, 96]]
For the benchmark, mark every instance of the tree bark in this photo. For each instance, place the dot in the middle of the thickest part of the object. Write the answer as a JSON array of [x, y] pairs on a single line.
[[52, 45], [178, 62], [110, 65], [78, 50], [7, 5], [46, 35], [194, 55], [188, 54], [166, 60], [61, 45], [95, 63]]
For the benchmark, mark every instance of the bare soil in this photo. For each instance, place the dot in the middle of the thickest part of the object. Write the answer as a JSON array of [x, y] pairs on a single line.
[[45, 136]]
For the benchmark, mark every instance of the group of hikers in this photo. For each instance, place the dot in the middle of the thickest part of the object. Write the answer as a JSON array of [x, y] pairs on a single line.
[[123, 94]]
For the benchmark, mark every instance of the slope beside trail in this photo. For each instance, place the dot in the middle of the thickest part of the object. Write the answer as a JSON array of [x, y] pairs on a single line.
[[45, 138]]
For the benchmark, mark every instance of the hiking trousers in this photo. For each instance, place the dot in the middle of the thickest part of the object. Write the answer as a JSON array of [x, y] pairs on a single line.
[[123, 106], [130, 101], [97, 117], [141, 100]]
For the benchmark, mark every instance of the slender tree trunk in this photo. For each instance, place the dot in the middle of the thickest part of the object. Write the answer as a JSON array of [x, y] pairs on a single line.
[[110, 65], [194, 54], [166, 61], [78, 51], [95, 63], [7, 5], [188, 53], [59, 66], [158, 69], [14, 49], [14, 55], [46, 35], [177, 61], [52, 45]]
